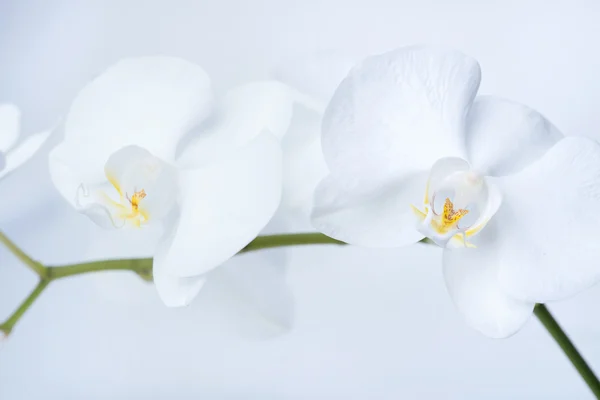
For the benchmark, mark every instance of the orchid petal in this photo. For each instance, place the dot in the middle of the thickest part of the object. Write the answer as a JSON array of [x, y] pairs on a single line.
[[24, 151], [132, 170], [504, 137], [548, 225], [224, 206], [148, 101], [173, 290], [245, 112], [399, 112], [472, 280], [369, 213], [303, 163]]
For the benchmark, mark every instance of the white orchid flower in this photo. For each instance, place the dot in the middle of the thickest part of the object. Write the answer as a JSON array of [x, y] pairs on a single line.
[[250, 292], [12, 153], [117, 166], [413, 153]]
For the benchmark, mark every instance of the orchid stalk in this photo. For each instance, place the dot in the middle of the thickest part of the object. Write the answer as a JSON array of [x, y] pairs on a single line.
[[404, 151], [143, 268]]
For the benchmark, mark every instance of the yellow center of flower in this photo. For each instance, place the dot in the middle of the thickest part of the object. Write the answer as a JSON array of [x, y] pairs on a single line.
[[135, 199], [450, 217], [134, 213], [447, 222]]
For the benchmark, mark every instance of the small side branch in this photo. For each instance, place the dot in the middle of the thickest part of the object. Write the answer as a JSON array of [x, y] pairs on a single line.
[[35, 266], [7, 326]]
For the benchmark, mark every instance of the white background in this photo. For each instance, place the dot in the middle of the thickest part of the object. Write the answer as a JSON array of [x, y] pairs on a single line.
[[369, 324]]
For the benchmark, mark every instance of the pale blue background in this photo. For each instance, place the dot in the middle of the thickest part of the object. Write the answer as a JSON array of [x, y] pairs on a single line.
[[369, 324]]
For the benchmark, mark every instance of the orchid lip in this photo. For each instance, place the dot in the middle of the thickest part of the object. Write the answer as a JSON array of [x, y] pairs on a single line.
[[455, 209]]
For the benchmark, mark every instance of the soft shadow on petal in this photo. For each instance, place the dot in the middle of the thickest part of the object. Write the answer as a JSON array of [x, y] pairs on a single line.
[[148, 101], [225, 205], [368, 213], [549, 223], [132, 169], [10, 125], [503, 137], [243, 114], [251, 295], [441, 170], [399, 112], [472, 281], [24, 151], [173, 290]]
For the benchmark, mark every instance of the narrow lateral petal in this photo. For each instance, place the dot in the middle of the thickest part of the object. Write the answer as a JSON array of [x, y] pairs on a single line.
[[24, 151], [549, 237], [503, 137]]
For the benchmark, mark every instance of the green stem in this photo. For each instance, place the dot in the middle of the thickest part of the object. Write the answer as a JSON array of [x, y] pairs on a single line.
[[35, 266], [7, 326], [568, 348], [140, 266], [294, 239], [143, 267]]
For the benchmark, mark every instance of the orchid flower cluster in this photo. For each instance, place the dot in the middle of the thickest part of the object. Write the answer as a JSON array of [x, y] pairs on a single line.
[[400, 149]]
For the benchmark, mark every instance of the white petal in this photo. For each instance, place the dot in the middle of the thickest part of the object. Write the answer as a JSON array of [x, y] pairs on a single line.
[[173, 290], [23, 152], [69, 168], [148, 101], [440, 171], [368, 213], [451, 180], [472, 280], [10, 125], [244, 113], [303, 162], [259, 106], [317, 76], [399, 112], [133, 169], [504, 137], [549, 223], [224, 206], [100, 208]]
